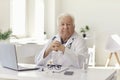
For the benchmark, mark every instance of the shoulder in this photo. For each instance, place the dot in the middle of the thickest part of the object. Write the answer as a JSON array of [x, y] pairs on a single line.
[[54, 37], [77, 36]]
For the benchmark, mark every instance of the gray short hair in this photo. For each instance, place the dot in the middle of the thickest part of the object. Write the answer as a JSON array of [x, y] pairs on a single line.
[[65, 15]]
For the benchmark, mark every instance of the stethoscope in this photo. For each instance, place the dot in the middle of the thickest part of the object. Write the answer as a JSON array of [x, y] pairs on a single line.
[[69, 45]]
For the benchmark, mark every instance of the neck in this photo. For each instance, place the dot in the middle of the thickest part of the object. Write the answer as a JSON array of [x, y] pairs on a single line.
[[64, 40]]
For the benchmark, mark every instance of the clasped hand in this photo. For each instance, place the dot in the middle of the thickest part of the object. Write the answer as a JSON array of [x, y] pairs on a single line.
[[56, 46]]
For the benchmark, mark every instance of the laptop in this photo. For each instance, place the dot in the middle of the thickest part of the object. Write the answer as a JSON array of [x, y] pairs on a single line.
[[8, 58]]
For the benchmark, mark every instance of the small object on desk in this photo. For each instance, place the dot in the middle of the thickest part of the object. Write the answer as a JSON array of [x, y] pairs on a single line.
[[68, 73], [56, 66], [60, 70], [41, 69]]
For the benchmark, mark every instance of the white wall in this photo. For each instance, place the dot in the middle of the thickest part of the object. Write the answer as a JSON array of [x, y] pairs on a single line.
[[102, 16], [4, 15]]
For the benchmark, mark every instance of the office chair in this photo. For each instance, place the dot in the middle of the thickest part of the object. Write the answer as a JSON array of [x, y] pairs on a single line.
[[113, 46]]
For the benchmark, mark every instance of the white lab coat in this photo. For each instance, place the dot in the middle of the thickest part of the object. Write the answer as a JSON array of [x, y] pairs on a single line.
[[74, 47]]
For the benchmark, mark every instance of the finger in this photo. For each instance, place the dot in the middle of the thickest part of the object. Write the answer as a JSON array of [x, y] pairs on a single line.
[[55, 48], [56, 42]]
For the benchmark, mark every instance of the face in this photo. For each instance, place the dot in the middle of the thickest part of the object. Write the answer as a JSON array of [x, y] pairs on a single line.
[[66, 27]]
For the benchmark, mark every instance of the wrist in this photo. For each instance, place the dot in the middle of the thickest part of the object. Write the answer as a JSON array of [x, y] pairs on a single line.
[[46, 53], [63, 49]]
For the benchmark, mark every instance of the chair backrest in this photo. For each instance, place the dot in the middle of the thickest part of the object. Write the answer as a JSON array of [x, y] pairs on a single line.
[[91, 52], [113, 43]]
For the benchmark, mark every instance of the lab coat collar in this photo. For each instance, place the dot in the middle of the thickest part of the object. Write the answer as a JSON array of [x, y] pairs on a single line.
[[69, 40]]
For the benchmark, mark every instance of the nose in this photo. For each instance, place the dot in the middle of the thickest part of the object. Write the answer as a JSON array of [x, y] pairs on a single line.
[[65, 26]]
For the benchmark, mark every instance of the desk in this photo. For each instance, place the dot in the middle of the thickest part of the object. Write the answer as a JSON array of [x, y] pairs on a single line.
[[91, 74]]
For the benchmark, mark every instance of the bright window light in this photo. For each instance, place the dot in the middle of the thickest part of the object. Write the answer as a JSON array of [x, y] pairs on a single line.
[[19, 22], [39, 19], [18, 17]]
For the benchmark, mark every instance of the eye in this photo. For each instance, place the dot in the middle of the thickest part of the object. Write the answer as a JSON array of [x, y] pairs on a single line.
[[69, 24], [62, 24]]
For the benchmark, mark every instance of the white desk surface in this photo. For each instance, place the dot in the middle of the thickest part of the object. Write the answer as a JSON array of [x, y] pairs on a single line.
[[91, 74]]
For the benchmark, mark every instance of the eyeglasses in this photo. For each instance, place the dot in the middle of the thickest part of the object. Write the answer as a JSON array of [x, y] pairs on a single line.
[[51, 66]]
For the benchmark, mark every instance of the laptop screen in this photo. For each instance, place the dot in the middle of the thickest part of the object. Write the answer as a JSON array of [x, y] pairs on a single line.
[[8, 58], [8, 55]]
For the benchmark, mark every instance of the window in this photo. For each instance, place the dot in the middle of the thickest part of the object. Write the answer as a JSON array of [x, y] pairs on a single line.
[[23, 16], [18, 17], [39, 19]]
